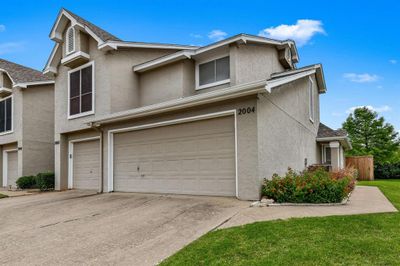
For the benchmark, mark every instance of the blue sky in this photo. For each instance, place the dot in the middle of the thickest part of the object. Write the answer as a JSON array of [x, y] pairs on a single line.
[[356, 41]]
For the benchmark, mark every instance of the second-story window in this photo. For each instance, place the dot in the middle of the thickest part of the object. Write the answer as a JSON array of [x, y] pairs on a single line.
[[213, 73], [81, 91], [70, 43], [6, 115]]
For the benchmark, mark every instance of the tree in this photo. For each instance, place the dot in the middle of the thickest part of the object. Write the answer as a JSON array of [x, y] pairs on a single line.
[[370, 135]]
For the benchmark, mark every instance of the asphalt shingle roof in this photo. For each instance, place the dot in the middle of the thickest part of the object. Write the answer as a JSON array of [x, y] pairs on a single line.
[[102, 34], [22, 74], [326, 132]]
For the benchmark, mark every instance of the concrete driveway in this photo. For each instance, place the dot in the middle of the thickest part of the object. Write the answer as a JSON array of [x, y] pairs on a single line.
[[80, 227]]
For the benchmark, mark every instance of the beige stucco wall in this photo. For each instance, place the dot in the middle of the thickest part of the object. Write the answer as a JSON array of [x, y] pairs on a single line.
[[253, 62], [38, 129], [286, 135], [167, 83]]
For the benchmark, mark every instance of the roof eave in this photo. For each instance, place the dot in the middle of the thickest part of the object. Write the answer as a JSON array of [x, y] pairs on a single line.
[[343, 139], [24, 85]]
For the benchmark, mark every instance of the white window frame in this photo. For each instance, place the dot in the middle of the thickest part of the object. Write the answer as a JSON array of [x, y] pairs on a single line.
[[12, 115], [213, 84], [67, 41], [323, 155], [91, 112], [311, 100]]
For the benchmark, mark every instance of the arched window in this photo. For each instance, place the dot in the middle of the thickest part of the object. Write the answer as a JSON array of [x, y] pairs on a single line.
[[70, 40]]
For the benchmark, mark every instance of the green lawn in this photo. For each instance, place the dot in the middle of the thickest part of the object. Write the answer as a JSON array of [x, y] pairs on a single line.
[[3, 196], [372, 239]]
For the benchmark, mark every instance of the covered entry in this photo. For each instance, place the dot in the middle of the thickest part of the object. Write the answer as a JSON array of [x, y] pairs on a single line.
[[185, 156]]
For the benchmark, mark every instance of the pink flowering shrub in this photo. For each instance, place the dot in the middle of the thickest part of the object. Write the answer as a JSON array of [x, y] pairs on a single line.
[[310, 186]]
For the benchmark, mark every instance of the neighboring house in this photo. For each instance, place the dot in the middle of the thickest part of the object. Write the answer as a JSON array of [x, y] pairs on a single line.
[[26, 122], [166, 118]]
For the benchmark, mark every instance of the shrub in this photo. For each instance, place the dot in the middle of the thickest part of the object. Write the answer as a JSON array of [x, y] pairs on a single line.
[[387, 170], [310, 186], [45, 181], [25, 182]]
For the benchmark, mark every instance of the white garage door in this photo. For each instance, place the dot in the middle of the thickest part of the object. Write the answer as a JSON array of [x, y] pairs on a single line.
[[86, 164], [192, 158], [12, 168]]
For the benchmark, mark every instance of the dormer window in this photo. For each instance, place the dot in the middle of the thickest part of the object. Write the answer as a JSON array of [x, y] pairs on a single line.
[[213, 73], [70, 44]]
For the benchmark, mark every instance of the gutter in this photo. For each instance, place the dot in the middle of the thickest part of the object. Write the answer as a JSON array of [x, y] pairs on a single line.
[[338, 138]]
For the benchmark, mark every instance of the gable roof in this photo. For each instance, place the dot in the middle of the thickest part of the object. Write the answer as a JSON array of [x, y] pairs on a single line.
[[23, 75], [304, 71], [105, 40], [241, 38], [102, 34]]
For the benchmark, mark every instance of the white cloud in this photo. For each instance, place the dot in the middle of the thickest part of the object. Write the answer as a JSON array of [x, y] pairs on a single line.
[[381, 109], [10, 47], [379, 87], [361, 78], [2, 27], [301, 32], [217, 35], [196, 36], [393, 61]]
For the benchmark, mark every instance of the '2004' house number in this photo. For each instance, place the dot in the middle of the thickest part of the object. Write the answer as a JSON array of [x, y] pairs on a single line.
[[248, 110]]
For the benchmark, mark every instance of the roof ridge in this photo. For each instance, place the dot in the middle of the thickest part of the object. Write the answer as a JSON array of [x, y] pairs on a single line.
[[102, 34]]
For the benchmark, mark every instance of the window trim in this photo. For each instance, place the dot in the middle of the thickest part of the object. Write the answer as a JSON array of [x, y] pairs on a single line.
[[91, 112], [213, 84], [323, 155], [311, 103], [12, 115], [67, 41]]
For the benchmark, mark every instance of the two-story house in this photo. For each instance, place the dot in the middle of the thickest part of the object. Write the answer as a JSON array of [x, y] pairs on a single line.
[[166, 118], [26, 122]]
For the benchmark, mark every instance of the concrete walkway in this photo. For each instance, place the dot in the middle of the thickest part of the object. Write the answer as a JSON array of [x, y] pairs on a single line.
[[363, 200]]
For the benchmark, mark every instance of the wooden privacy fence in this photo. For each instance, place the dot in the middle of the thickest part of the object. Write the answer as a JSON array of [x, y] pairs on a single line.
[[364, 166]]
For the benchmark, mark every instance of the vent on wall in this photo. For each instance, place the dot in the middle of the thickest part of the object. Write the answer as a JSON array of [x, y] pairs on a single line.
[[70, 40]]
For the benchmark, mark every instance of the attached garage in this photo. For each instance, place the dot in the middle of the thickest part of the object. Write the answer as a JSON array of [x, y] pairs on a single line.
[[84, 169], [194, 157], [10, 168]]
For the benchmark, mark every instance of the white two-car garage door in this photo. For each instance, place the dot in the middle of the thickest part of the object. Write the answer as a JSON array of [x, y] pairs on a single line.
[[195, 158]]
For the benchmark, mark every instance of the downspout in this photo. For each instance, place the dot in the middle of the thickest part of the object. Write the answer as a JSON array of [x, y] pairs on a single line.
[[97, 128]]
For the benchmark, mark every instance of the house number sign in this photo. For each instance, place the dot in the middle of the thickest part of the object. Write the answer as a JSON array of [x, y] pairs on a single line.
[[246, 110]]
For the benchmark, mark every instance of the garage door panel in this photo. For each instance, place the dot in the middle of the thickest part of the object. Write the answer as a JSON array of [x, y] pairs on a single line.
[[191, 158], [86, 164], [12, 168]]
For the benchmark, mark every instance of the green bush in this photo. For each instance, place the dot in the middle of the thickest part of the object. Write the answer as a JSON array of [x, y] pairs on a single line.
[[387, 170], [310, 186], [45, 181], [25, 182]]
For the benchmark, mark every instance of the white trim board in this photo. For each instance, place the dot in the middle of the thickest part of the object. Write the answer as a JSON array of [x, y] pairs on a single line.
[[5, 165], [110, 136], [71, 158]]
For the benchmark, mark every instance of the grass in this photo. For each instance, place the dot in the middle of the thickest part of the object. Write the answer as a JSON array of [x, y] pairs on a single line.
[[3, 196], [372, 239]]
